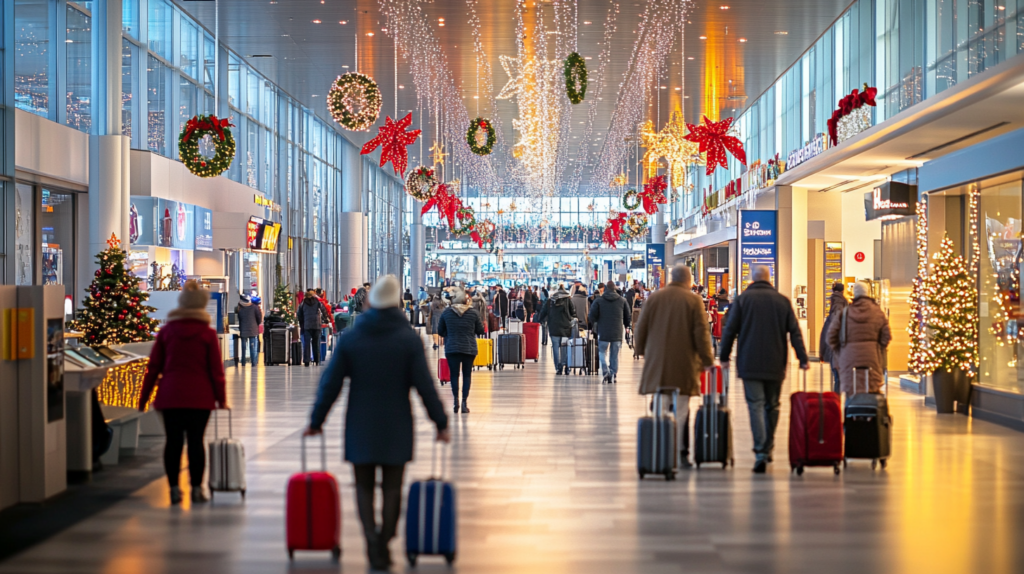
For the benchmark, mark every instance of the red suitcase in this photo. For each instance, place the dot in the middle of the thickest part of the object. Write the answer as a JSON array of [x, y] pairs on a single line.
[[532, 332], [313, 510], [442, 371], [815, 429]]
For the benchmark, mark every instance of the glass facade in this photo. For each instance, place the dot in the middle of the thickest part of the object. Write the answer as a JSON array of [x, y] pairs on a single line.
[[32, 56]]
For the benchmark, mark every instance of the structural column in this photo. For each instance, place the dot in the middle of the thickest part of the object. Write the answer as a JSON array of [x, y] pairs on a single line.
[[352, 256], [417, 249], [791, 270]]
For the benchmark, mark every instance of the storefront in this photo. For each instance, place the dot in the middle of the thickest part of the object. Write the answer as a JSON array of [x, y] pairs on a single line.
[[44, 233], [164, 236]]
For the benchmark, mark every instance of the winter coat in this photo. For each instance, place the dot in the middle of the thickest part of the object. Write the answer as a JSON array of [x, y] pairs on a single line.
[[867, 338], [480, 306], [358, 303], [383, 358], [311, 313], [610, 315], [528, 303], [579, 301], [558, 313], [187, 354], [672, 336], [501, 306], [836, 305], [759, 320], [250, 317], [437, 307], [459, 325], [329, 319]]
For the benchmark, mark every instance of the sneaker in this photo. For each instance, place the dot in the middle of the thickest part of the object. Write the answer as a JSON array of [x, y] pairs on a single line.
[[198, 496], [761, 466], [607, 380], [175, 495]]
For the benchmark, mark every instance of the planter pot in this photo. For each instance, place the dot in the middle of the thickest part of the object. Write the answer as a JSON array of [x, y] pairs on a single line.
[[945, 384], [963, 395]]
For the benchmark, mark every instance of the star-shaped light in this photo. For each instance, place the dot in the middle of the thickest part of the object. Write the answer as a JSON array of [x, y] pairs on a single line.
[[714, 140], [113, 241], [393, 141], [511, 66], [437, 151], [671, 144]]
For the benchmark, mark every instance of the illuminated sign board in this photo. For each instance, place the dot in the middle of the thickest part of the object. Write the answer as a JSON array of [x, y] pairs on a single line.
[[891, 200], [262, 235], [758, 242]]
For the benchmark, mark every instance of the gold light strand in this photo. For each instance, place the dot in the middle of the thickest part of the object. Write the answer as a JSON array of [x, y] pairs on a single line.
[[921, 357], [122, 384]]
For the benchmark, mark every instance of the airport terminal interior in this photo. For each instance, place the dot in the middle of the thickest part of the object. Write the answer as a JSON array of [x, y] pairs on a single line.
[[510, 286]]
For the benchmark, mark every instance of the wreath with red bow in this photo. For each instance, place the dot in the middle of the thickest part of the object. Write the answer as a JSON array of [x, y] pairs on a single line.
[[224, 143], [636, 226], [631, 200], [471, 136]]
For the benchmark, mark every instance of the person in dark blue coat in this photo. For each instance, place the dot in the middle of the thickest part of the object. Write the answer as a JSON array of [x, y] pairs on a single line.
[[458, 326], [383, 357]]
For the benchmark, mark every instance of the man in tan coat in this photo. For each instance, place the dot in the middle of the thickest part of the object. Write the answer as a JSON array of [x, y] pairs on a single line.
[[862, 345], [674, 339]]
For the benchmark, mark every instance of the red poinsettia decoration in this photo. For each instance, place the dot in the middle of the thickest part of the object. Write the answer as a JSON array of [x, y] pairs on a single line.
[[653, 194], [856, 99], [613, 229], [393, 141], [447, 204], [714, 140]]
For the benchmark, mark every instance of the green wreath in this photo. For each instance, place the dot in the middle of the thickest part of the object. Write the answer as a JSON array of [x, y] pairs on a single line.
[[575, 71], [636, 225], [188, 145], [467, 221], [354, 101], [474, 128], [626, 200], [421, 183]]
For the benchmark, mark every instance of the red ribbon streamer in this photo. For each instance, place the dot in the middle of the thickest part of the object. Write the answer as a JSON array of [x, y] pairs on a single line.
[[613, 229], [654, 194]]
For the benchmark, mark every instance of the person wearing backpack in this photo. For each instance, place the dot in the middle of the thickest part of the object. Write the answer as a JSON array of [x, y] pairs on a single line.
[[558, 313], [859, 336]]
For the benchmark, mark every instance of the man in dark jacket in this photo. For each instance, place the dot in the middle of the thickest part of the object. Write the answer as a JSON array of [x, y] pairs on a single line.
[[579, 300], [501, 306], [311, 314], [383, 358], [609, 316], [250, 317], [558, 313], [837, 302], [760, 319]]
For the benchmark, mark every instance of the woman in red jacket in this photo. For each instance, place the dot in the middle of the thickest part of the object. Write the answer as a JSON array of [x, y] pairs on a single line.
[[186, 361]]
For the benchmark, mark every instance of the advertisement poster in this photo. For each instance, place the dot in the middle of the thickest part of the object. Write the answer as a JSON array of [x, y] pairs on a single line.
[[758, 239], [165, 223], [261, 235], [204, 228], [655, 265], [833, 270]]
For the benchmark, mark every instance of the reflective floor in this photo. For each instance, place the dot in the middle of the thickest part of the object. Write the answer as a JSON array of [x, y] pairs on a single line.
[[545, 471]]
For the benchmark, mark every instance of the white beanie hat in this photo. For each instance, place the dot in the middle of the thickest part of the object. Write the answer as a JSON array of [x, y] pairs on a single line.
[[385, 293], [861, 289]]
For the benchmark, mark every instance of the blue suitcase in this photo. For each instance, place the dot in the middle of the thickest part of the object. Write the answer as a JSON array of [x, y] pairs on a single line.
[[430, 519]]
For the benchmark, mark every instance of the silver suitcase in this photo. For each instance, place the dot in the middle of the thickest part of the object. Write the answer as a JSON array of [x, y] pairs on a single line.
[[227, 461]]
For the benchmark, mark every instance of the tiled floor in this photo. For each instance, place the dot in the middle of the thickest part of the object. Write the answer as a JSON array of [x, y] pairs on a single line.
[[545, 470]]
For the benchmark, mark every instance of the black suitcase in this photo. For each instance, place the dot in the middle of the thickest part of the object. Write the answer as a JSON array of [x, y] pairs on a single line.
[[276, 347], [712, 428], [656, 438], [511, 350], [296, 352], [867, 424]]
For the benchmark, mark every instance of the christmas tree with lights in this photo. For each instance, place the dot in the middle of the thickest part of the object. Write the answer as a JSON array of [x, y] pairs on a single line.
[[952, 316], [284, 305], [115, 309]]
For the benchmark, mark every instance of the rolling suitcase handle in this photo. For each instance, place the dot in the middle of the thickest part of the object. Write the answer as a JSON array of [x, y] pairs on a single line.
[[711, 417], [433, 463], [216, 417], [867, 379], [323, 453]]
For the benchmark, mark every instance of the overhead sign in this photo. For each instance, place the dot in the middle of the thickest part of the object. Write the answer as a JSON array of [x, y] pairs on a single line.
[[261, 235], [816, 147], [758, 239], [655, 265], [891, 200]]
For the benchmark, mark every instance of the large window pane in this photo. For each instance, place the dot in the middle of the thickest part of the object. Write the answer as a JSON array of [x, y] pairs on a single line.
[[24, 235], [234, 80], [186, 102], [188, 59], [160, 24], [32, 56], [129, 87], [157, 100], [57, 228], [252, 100], [209, 62], [130, 18], [79, 83]]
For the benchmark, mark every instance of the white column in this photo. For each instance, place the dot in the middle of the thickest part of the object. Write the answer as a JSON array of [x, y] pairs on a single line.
[[417, 249], [659, 229], [791, 204]]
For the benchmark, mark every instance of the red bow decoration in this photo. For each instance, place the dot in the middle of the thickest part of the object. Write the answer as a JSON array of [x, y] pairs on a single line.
[[447, 204], [856, 99], [476, 238], [613, 229], [393, 139], [206, 123], [714, 140], [653, 194]]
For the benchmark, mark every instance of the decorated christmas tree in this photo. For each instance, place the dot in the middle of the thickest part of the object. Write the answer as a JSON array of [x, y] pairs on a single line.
[[115, 309], [952, 316], [284, 305], [922, 360]]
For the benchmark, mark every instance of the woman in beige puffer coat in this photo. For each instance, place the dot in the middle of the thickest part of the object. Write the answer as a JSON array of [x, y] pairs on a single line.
[[864, 344]]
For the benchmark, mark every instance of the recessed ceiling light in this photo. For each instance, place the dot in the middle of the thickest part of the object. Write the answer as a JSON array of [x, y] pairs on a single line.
[[677, 89], [723, 7], [664, 87], [401, 87], [440, 19], [703, 37], [689, 57], [316, 21], [586, 22], [343, 22], [781, 33], [743, 39], [385, 30], [441, 24], [346, 67], [586, 58], [476, 97], [369, 34]]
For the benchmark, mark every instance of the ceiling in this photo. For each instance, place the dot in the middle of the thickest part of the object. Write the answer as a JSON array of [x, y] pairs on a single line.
[[722, 75]]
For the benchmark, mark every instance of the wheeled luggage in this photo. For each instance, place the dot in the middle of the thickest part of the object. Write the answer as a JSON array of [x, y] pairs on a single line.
[[443, 374], [582, 355], [532, 333], [712, 428], [296, 353], [484, 353], [815, 429], [227, 460], [867, 423], [313, 508], [656, 438], [515, 325], [430, 516], [511, 350], [277, 347]]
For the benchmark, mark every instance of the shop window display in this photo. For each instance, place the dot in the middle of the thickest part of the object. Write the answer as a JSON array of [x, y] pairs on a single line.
[[57, 225], [999, 294], [24, 235]]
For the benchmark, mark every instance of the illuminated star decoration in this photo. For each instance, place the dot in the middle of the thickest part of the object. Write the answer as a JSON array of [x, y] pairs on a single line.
[[511, 66], [671, 144], [714, 140], [113, 241], [653, 194], [393, 141], [437, 151]]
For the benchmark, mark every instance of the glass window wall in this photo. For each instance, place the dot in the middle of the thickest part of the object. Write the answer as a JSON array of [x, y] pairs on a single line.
[[78, 85], [32, 56]]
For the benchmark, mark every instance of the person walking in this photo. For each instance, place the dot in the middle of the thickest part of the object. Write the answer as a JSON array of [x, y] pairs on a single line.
[[437, 306], [610, 317], [480, 306], [250, 317], [542, 299], [860, 335], [673, 338], [579, 302], [558, 314], [310, 314], [528, 304], [501, 305], [758, 322], [383, 359], [186, 362], [459, 326], [826, 354]]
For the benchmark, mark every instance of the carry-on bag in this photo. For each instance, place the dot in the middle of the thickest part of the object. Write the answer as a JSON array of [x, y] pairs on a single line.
[[493, 323], [515, 326], [511, 347], [443, 374], [867, 423], [815, 429], [577, 351], [484, 353], [712, 428], [277, 347], [313, 508], [227, 460], [656, 438], [532, 333], [430, 516], [296, 353], [593, 361]]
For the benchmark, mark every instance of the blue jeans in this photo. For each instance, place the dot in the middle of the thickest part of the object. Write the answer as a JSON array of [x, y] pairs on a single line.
[[559, 352], [763, 404], [310, 345], [253, 344], [611, 366]]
